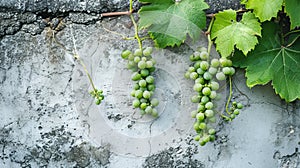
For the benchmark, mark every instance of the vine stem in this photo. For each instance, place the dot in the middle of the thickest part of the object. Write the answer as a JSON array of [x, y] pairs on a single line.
[[210, 43], [76, 56], [230, 95]]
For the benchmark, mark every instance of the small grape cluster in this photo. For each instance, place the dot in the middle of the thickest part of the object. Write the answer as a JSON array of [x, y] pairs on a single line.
[[98, 95], [206, 73], [141, 63]]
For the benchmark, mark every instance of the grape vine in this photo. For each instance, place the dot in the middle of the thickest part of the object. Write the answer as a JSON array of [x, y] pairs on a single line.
[[141, 63], [269, 37]]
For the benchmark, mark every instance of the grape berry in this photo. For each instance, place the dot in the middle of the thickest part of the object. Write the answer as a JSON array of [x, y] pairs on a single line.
[[142, 64], [98, 95], [206, 73]]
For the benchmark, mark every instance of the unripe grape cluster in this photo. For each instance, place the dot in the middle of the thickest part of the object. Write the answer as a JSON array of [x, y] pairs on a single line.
[[207, 73], [141, 63], [97, 95]]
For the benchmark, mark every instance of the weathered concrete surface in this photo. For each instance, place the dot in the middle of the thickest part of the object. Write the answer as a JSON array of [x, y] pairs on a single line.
[[48, 119]]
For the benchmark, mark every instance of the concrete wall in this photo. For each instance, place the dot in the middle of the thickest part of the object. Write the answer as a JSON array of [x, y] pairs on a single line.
[[49, 120]]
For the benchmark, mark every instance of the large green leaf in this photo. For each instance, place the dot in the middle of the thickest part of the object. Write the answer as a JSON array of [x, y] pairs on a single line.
[[270, 61], [292, 8], [168, 22], [229, 33], [263, 9]]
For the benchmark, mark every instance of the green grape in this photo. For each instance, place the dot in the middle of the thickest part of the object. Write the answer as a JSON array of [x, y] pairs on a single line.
[[200, 116], [239, 106], [212, 131], [220, 76], [226, 70], [154, 102], [195, 99], [196, 54], [202, 143], [213, 94], [232, 71], [136, 86], [204, 65], [131, 57], [152, 69], [150, 79], [204, 99], [204, 55], [212, 137], [223, 62], [142, 83], [148, 110], [138, 52], [144, 59], [132, 93], [196, 126], [206, 91], [232, 116], [187, 75], [142, 64], [200, 71], [154, 113], [145, 72], [143, 100], [125, 54], [146, 94], [201, 107], [149, 64], [206, 138], [200, 80], [131, 65], [197, 137], [197, 87], [138, 94], [207, 76], [214, 85], [98, 101], [202, 125], [228, 63], [147, 51], [151, 87], [194, 114], [212, 70], [143, 106], [137, 59], [192, 58], [209, 113], [197, 65], [236, 112], [136, 76], [136, 103], [191, 69], [209, 105], [194, 75], [215, 63]]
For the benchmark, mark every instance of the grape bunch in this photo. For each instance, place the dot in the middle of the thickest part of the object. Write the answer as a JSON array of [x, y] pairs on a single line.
[[98, 95], [207, 73], [141, 63]]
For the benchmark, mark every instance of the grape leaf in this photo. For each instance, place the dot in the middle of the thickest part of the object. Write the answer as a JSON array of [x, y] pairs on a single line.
[[270, 61], [229, 33], [292, 8], [168, 22], [264, 9]]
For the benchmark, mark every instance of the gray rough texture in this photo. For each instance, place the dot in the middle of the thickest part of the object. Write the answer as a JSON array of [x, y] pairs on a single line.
[[49, 120]]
